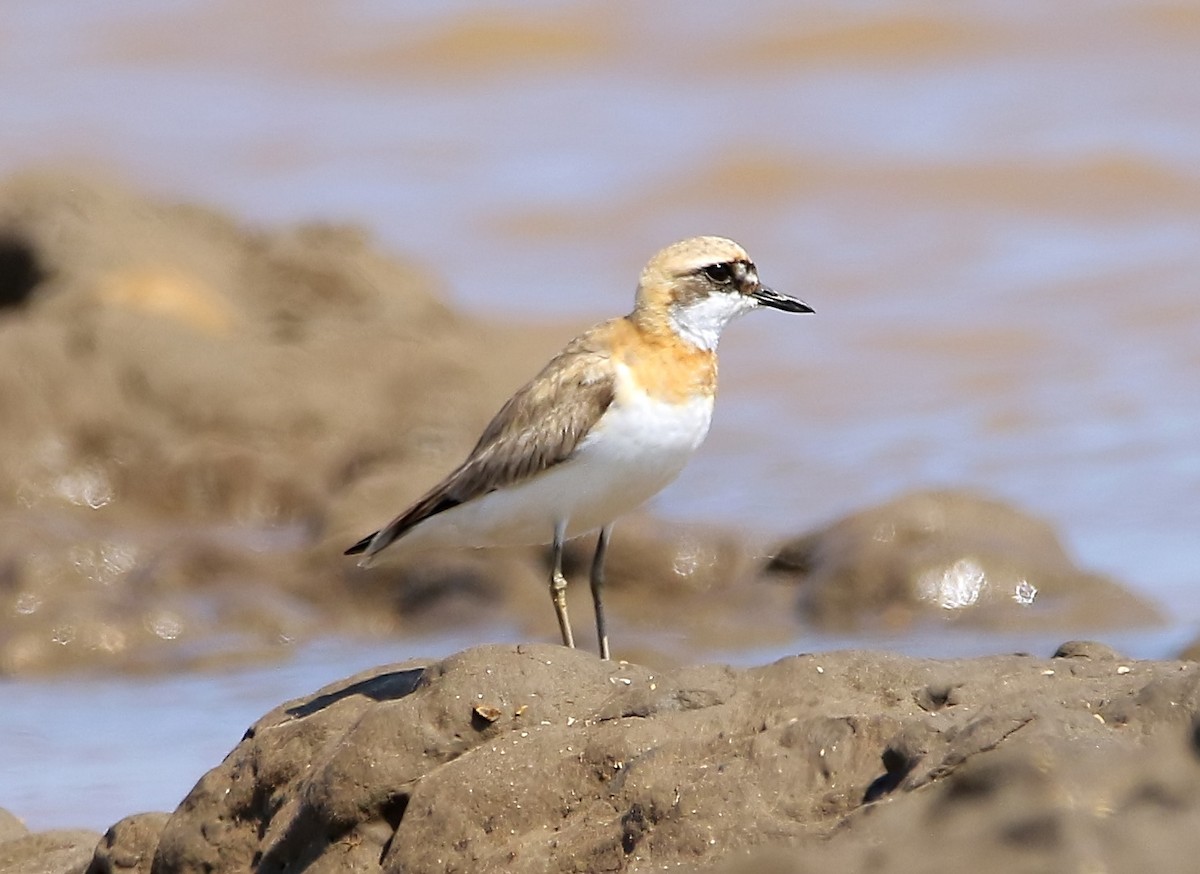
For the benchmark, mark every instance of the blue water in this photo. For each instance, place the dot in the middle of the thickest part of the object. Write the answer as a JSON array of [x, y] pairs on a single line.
[[85, 752]]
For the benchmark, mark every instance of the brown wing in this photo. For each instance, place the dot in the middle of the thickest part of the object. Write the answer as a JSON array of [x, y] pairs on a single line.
[[539, 427]]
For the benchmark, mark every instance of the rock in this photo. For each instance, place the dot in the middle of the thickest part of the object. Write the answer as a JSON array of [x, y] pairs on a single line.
[[1087, 649], [841, 761], [64, 851], [10, 826], [1191, 652], [191, 429], [954, 556], [1042, 807], [128, 847]]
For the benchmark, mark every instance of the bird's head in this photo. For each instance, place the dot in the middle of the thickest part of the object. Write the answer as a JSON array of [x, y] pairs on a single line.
[[696, 287]]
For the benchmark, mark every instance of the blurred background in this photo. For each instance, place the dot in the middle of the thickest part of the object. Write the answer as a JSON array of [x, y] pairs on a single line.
[[993, 207]]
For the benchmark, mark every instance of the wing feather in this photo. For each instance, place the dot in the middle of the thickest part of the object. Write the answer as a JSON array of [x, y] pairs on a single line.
[[539, 427]]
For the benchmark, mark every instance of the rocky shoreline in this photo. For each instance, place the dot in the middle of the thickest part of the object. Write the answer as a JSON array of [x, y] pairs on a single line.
[[536, 758]]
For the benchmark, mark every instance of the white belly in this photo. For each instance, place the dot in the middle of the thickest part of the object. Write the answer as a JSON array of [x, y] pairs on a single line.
[[637, 449]]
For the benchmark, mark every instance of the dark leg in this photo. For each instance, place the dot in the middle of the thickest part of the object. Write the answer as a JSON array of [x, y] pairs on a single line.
[[598, 588], [558, 588]]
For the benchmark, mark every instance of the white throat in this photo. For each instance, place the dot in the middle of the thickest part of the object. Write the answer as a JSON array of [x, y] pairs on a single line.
[[701, 321]]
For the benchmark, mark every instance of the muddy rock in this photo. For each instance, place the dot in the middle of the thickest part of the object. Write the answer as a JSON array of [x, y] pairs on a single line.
[[128, 847], [1191, 652], [10, 826], [536, 758], [197, 416], [953, 556], [1042, 808], [62, 851]]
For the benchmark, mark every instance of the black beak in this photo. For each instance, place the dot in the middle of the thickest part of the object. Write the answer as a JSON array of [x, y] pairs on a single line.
[[769, 297]]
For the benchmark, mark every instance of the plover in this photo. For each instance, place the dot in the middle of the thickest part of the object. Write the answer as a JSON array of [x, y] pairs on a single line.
[[607, 423]]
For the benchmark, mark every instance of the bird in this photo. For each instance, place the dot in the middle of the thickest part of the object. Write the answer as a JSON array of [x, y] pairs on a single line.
[[606, 424]]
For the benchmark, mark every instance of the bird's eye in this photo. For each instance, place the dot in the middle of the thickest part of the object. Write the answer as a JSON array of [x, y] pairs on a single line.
[[718, 272]]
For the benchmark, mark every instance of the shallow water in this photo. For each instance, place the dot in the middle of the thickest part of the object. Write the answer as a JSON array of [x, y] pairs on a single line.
[[993, 207], [85, 752]]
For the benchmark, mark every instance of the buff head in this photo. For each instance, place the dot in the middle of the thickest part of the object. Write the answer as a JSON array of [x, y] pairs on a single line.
[[697, 286]]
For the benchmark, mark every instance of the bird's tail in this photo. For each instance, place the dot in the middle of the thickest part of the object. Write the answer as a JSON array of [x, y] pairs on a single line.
[[361, 547], [433, 503]]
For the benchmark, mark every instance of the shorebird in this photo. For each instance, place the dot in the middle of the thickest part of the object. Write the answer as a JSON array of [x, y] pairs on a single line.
[[609, 422]]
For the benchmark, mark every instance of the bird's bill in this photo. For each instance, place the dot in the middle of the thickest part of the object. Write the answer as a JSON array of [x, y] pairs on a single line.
[[769, 297]]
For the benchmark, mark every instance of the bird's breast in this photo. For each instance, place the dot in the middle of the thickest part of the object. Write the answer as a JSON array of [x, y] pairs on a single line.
[[647, 430], [659, 364]]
